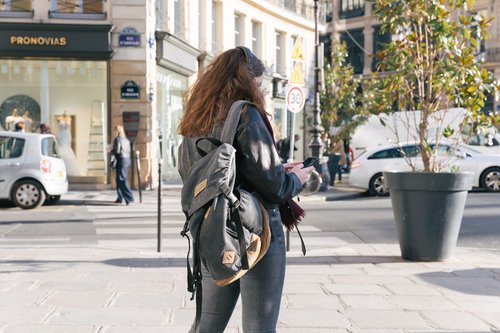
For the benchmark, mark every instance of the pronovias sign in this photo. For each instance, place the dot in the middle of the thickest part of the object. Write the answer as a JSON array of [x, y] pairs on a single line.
[[34, 40]]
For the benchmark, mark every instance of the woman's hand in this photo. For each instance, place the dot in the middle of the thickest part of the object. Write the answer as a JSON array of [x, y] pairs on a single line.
[[301, 172], [289, 166]]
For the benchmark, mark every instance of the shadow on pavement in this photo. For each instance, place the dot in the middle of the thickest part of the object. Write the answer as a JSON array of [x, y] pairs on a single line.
[[342, 260], [46, 221], [16, 266], [83, 202], [476, 281], [79, 202], [147, 262]]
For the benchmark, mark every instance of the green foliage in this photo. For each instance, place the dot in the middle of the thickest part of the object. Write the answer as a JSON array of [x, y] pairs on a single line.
[[340, 97], [431, 63]]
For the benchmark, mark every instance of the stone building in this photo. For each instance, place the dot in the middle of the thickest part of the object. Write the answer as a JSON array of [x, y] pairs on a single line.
[[97, 64], [352, 22]]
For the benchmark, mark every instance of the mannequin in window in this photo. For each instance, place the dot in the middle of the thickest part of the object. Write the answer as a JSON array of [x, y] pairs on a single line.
[[64, 138], [28, 122], [64, 123], [10, 121]]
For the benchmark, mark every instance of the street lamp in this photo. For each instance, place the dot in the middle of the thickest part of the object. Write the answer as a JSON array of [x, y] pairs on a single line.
[[316, 130]]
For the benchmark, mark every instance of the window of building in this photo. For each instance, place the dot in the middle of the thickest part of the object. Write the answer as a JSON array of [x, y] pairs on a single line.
[[280, 52], [238, 30], [214, 26], [88, 9], [355, 41], [329, 11], [50, 91], [326, 40], [379, 42], [16, 8], [351, 8], [256, 38], [170, 89], [481, 47]]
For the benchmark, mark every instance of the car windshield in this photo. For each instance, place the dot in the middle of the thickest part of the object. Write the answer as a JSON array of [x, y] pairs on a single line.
[[11, 147], [50, 147]]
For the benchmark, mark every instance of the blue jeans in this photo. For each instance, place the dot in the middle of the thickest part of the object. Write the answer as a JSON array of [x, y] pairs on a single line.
[[122, 187], [260, 290]]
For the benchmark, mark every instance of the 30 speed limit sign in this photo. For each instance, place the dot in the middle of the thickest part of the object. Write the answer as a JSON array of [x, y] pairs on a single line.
[[295, 99]]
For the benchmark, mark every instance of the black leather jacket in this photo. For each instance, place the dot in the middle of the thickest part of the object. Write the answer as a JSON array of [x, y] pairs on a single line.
[[259, 166]]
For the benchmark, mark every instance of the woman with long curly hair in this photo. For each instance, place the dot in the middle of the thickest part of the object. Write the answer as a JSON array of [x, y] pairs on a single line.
[[237, 74]]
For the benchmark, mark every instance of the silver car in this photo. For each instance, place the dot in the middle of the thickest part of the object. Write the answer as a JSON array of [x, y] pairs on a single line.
[[31, 171]]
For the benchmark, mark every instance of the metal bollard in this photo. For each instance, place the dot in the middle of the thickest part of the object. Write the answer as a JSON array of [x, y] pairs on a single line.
[[138, 161]]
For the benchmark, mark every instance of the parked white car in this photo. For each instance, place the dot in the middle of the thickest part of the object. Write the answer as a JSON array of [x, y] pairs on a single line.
[[366, 170], [31, 170], [372, 133]]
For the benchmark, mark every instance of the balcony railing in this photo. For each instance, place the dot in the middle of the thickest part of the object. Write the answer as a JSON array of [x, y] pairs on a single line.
[[302, 8], [81, 9]]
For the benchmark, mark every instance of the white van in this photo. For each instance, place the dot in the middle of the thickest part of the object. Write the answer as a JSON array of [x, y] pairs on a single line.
[[374, 133], [31, 171]]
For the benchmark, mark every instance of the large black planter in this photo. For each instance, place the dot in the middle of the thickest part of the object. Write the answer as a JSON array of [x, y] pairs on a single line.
[[428, 209]]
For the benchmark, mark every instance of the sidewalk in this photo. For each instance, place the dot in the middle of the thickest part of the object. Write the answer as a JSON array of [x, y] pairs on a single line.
[[124, 286]]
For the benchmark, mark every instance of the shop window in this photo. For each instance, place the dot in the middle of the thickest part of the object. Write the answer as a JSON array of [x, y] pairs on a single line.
[[68, 96], [379, 42], [351, 8], [16, 8], [86, 9], [354, 40], [170, 88]]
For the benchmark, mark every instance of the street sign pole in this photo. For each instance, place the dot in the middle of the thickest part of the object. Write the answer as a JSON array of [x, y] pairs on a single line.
[[294, 101]]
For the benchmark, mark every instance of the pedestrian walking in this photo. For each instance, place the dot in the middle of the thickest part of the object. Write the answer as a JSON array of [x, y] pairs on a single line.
[[121, 150], [237, 74]]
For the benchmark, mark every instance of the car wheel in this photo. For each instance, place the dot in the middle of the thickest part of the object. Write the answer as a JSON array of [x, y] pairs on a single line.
[[28, 194], [377, 186], [490, 179], [52, 199]]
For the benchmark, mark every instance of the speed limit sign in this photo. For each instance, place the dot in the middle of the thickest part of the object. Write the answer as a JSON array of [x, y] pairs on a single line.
[[295, 99]]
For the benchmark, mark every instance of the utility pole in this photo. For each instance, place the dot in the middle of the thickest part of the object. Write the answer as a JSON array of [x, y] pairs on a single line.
[[316, 144]]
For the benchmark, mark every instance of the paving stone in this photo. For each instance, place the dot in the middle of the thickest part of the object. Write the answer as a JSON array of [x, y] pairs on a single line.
[[415, 302], [456, 320], [314, 319], [367, 302], [373, 319]]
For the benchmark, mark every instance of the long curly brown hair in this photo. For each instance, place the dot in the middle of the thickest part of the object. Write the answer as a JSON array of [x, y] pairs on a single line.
[[227, 79]]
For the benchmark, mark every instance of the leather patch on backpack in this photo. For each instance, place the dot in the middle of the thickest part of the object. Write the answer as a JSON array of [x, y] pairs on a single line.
[[200, 187], [228, 257]]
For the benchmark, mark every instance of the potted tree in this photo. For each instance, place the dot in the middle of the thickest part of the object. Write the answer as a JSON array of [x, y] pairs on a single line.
[[430, 66]]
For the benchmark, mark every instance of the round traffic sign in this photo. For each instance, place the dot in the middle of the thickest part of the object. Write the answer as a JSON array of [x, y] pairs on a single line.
[[295, 99]]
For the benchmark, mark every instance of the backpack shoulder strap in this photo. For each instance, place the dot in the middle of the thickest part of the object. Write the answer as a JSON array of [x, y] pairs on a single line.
[[231, 123]]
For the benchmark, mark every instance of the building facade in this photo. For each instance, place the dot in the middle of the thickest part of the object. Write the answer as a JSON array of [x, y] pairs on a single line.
[[352, 22], [84, 66]]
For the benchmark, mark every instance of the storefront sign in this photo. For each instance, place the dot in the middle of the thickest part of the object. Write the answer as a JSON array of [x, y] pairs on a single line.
[[130, 90], [131, 121], [55, 40], [129, 37]]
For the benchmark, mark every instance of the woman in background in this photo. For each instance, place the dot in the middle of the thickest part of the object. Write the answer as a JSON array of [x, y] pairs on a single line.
[[121, 150]]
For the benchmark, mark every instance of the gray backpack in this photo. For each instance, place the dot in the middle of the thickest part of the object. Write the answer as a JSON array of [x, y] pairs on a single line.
[[229, 226]]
